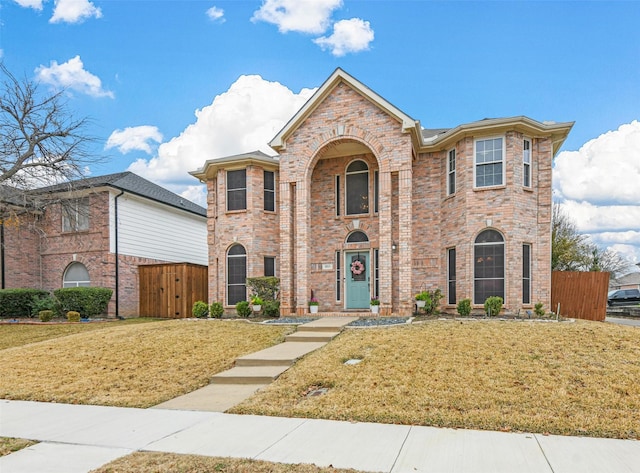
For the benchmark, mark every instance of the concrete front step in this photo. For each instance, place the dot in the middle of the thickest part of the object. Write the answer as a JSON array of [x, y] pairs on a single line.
[[249, 375], [284, 354], [308, 337], [326, 324]]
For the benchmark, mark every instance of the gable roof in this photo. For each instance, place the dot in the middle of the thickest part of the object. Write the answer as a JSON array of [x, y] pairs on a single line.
[[340, 76], [131, 183], [211, 166]]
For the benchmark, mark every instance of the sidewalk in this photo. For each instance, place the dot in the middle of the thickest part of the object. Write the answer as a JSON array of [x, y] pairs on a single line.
[[78, 438]]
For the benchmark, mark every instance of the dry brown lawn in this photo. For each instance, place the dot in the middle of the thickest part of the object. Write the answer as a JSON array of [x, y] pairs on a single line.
[[136, 365], [9, 445], [172, 463], [15, 335], [579, 378]]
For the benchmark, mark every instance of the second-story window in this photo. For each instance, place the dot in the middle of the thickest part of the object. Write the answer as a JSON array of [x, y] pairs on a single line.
[[489, 160], [237, 190], [357, 188], [75, 215], [526, 163], [269, 191], [451, 172]]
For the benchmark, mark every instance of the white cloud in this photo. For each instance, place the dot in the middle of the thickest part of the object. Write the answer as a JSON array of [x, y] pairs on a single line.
[[197, 194], [74, 11], [72, 75], [240, 120], [303, 16], [349, 36], [216, 14], [35, 4], [605, 170], [134, 138], [591, 218]]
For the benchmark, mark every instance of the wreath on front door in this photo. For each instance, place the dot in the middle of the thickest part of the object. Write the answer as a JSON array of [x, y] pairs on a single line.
[[357, 267]]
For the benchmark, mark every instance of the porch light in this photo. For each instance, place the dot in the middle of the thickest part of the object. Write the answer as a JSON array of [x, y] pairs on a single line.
[[394, 246]]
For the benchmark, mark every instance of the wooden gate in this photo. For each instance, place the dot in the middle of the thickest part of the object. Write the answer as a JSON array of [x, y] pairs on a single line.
[[581, 295], [169, 290]]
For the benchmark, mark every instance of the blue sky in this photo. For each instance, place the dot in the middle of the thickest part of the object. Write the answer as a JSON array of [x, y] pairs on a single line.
[[169, 84]]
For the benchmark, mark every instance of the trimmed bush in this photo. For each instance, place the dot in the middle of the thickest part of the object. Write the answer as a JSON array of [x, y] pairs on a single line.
[[271, 308], [200, 309], [539, 309], [216, 310], [493, 305], [73, 316], [464, 307], [19, 302], [243, 309], [89, 301], [45, 315]]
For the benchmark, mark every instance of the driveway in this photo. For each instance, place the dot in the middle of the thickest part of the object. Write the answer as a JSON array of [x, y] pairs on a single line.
[[623, 321]]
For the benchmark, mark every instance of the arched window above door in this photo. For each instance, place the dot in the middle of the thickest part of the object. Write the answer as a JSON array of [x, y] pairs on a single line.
[[357, 237], [357, 189]]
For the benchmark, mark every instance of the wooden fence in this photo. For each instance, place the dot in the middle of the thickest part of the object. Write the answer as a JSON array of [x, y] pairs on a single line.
[[581, 295], [169, 290]]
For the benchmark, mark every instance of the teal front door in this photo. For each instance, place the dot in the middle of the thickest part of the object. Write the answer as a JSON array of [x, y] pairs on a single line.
[[357, 280]]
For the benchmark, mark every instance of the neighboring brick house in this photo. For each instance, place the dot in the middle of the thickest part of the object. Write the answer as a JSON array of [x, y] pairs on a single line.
[[99, 233], [363, 202]]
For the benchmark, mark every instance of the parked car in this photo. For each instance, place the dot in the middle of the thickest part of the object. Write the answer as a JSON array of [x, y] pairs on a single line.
[[624, 297]]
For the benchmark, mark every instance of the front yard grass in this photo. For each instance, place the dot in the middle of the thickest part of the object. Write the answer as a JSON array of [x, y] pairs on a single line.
[[171, 463], [131, 365], [564, 378]]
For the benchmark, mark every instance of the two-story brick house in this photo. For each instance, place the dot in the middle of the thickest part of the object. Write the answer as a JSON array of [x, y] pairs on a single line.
[[97, 232], [363, 202]]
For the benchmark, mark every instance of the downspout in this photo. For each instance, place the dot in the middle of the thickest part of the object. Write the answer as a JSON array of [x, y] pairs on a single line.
[[117, 270]]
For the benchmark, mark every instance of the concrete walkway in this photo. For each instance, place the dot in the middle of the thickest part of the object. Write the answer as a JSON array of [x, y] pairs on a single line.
[[77, 439], [254, 371]]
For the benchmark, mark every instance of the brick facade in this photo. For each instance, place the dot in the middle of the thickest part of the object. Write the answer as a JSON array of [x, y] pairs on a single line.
[[415, 221]]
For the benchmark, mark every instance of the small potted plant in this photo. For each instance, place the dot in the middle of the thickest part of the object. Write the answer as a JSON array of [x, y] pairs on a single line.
[[313, 305], [421, 299], [256, 303], [374, 305]]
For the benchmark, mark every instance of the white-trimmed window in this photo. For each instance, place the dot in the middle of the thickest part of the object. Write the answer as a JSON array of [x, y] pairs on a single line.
[[75, 215], [269, 191], [488, 267], [451, 276], [451, 172], [269, 266], [338, 203], [489, 162], [526, 162], [236, 274], [357, 188], [76, 275], [237, 190]]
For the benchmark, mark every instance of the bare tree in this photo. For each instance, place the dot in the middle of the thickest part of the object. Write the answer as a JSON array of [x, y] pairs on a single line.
[[41, 143], [572, 251]]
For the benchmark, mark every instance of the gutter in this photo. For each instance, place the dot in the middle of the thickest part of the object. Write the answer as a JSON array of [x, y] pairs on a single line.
[[117, 269]]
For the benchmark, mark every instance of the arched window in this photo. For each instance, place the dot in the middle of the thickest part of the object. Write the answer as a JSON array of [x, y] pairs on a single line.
[[357, 237], [488, 266], [357, 188], [236, 274], [76, 275]]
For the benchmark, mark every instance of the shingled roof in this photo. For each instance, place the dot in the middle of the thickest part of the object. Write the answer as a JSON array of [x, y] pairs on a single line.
[[132, 183]]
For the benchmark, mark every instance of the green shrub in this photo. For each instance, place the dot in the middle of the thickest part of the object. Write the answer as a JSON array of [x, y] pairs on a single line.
[[493, 305], [200, 309], [45, 315], [19, 302], [216, 310], [464, 307], [73, 316], [45, 303], [266, 287], [89, 301], [539, 309], [272, 308], [243, 309], [433, 301]]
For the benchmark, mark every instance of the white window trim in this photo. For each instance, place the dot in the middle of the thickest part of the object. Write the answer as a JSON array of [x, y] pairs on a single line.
[[504, 166], [449, 171], [227, 256], [525, 164], [264, 189], [346, 187], [246, 191]]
